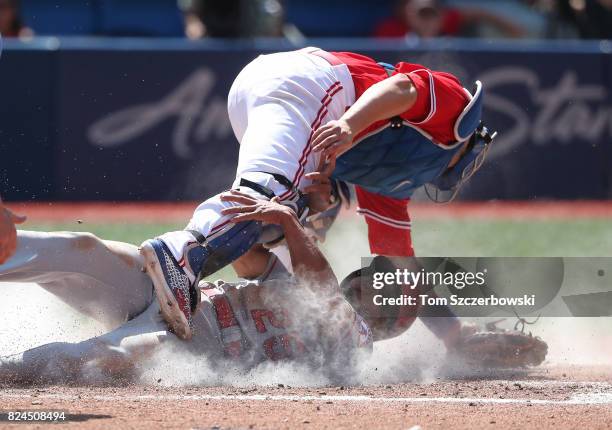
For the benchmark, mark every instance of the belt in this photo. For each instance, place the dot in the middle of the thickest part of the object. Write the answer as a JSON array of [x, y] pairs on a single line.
[[265, 191], [327, 56]]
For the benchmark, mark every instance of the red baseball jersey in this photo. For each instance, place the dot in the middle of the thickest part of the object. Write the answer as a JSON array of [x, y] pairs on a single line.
[[440, 100]]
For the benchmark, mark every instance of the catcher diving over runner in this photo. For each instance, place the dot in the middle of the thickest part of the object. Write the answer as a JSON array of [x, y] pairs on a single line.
[[392, 129]]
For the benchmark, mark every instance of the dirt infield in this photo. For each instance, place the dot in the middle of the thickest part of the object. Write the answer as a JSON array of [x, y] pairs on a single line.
[[181, 211], [557, 397]]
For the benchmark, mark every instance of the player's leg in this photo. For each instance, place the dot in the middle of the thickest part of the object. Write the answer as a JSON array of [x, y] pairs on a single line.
[[274, 106], [101, 279], [115, 356], [390, 235], [176, 260], [110, 356]]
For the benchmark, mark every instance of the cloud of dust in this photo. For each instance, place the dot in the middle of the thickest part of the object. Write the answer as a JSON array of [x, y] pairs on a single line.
[[31, 316], [580, 341], [414, 356], [169, 367], [417, 357]]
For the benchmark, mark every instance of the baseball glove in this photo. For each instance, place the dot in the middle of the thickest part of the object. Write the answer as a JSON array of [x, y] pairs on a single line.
[[501, 349]]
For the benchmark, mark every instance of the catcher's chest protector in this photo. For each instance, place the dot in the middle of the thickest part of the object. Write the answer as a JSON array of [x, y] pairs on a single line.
[[399, 157]]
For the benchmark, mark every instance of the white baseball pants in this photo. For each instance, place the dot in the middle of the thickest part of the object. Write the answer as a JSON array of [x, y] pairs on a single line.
[[274, 105]]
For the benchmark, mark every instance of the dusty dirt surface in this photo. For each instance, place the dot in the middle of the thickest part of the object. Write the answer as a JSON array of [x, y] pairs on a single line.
[[555, 397]]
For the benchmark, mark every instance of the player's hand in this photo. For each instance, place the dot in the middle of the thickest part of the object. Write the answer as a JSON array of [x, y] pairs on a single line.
[[253, 209], [333, 139], [320, 191], [8, 233]]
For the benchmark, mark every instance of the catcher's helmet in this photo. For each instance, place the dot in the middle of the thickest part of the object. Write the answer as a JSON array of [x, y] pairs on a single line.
[[468, 128]]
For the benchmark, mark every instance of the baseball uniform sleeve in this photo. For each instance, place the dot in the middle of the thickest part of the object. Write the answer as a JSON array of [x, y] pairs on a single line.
[[388, 224], [440, 101]]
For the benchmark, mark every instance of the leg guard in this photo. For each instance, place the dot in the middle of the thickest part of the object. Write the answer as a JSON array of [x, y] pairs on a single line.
[[217, 251], [221, 248]]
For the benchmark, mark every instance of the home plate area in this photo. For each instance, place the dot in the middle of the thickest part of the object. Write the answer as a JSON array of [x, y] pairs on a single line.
[[553, 397]]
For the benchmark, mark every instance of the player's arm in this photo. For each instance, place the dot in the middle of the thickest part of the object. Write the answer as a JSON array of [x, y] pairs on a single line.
[[383, 100], [308, 262], [310, 268], [8, 233]]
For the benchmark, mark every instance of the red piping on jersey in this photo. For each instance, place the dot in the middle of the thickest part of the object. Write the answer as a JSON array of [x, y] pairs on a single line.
[[218, 227]]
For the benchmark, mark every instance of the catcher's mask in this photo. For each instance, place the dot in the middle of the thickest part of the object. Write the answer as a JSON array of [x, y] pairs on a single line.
[[384, 321], [319, 223], [446, 187], [468, 128]]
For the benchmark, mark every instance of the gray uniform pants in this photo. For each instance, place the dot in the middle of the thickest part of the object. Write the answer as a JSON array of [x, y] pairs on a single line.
[[103, 280]]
